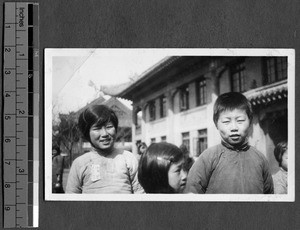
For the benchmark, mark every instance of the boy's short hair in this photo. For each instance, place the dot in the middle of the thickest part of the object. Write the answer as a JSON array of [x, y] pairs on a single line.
[[154, 166], [231, 101], [96, 114], [279, 150]]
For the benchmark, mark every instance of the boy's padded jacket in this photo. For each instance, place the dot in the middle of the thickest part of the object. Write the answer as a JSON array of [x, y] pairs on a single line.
[[224, 169]]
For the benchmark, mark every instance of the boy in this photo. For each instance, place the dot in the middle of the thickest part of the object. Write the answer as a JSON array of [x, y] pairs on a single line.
[[233, 166]]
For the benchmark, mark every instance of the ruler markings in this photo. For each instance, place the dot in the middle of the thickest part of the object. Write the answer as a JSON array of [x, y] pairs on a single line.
[[16, 100], [19, 22]]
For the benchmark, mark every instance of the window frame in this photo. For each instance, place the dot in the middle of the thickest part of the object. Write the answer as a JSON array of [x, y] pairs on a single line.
[[152, 110], [267, 76], [184, 97], [202, 136], [201, 96], [238, 69], [185, 140], [163, 106]]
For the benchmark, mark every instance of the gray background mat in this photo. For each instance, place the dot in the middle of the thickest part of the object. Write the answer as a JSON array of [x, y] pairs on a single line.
[[167, 24]]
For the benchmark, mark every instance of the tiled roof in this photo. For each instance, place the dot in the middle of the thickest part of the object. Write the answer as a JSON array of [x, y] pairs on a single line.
[[115, 90], [268, 94], [119, 90], [97, 101]]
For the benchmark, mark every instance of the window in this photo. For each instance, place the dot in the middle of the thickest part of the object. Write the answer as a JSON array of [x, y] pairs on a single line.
[[163, 139], [201, 142], [275, 69], [201, 91], [184, 98], [139, 117], [238, 77], [152, 110], [186, 140], [163, 106], [152, 140]]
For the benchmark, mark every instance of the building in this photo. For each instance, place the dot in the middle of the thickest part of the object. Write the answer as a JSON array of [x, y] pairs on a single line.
[[175, 99]]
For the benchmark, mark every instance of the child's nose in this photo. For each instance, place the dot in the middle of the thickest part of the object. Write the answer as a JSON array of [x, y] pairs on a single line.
[[103, 131], [183, 175], [233, 126]]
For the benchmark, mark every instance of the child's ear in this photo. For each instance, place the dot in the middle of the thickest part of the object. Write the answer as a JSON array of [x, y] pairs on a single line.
[[216, 124]]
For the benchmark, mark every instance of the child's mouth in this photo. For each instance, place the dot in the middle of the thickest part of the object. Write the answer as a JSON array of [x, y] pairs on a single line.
[[105, 141], [235, 137]]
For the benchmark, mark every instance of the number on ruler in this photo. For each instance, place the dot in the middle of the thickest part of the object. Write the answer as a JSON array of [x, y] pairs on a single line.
[[7, 95], [7, 72], [21, 170], [21, 111], [7, 49], [7, 162], [7, 117], [7, 140], [7, 186], [7, 208]]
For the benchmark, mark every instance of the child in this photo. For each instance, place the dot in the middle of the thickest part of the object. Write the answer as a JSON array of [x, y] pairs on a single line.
[[280, 178], [142, 147], [57, 170], [105, 169], [161, 169], [233, 166]]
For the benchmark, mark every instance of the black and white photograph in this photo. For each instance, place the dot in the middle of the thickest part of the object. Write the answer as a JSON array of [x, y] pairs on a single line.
[[190, 125]]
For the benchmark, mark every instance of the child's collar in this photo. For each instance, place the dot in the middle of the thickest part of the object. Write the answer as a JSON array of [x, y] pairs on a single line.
[[243, 147]]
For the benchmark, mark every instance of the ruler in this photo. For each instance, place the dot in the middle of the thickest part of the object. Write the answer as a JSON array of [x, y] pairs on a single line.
[[20, 115]]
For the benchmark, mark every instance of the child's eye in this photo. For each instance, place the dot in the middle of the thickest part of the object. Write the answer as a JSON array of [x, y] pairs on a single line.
[[241, 120]]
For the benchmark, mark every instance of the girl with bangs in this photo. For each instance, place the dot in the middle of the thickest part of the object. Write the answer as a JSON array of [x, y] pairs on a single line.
[[161, 169], [105, 169]]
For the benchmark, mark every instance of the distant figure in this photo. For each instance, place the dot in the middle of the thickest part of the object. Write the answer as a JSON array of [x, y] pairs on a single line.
[[57, 170], [188, 161], [105, 169], [232, 167], [280, 178], [142, 147], [161, 169]]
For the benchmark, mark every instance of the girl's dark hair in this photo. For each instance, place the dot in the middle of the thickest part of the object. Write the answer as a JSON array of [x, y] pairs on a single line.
[[231, 101], [154, 166], [96, 114], [279, 150]]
